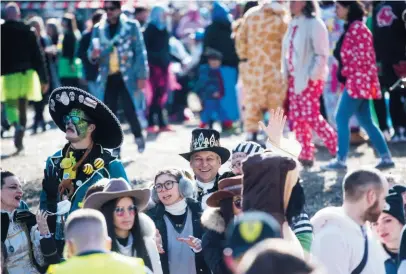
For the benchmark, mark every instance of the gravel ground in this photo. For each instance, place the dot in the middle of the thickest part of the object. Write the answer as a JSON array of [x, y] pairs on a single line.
[[321, 188]]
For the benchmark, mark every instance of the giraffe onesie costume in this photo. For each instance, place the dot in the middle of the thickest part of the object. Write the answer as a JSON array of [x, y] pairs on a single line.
[[259, 45]]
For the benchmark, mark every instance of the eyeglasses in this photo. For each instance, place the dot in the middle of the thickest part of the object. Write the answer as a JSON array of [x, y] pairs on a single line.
[[110, 8], [168, 185], [237, 202], [236, 165], [75, 119], [119, 211]]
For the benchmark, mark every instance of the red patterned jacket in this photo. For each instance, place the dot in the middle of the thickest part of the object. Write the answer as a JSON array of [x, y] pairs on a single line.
[[359, 63]]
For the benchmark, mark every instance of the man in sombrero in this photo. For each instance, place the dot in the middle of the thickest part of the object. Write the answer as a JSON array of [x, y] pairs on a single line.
[[90, 127], [206, 157]]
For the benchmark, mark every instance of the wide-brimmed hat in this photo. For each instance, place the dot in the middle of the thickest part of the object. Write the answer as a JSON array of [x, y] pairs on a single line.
[[206, 140], [108, 132], [118, 188], [228, 188]]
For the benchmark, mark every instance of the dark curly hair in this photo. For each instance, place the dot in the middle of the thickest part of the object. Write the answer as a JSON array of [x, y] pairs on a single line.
[[5, 174]]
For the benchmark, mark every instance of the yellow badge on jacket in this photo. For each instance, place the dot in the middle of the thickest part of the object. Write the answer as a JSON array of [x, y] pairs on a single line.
[[67, 165], [250, 231]]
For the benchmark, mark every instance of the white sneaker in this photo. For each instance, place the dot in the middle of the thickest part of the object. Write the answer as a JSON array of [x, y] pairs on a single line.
[[387, 135]]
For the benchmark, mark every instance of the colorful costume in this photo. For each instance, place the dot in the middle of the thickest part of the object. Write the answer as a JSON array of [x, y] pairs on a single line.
[[23, 70], [259, 43], [72, 171], [27, 251], [122, 62], [305, 52]]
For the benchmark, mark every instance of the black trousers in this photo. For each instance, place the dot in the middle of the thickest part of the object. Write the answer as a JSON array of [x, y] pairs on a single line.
[[115, 90], [396, 110], [180, 97], [39, 112], [156, 109], [71, 82]]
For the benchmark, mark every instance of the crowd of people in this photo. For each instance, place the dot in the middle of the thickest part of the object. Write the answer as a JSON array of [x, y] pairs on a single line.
[[145, 69], [251, 219]]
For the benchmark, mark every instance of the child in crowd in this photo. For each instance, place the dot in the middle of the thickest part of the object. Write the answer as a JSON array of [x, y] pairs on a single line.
[[210, 88]]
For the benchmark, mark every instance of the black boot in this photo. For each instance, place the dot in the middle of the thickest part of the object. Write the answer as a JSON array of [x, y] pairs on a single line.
[[35, 127], [18, 138]]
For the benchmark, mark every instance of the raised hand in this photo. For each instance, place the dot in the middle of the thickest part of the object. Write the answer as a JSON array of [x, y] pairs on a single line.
[[193, 242], [275, 127], [42, 223]]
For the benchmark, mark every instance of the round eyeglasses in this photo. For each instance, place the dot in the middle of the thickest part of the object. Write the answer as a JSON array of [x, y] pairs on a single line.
[[168, 185]]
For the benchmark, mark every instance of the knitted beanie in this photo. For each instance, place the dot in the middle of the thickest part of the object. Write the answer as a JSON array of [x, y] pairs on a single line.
[[394, 206], [248, 148]]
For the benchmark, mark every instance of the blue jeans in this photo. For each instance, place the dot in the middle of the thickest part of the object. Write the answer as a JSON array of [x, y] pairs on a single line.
[[347, 107]]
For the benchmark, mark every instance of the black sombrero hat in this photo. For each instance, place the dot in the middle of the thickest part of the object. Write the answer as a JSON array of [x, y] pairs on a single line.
[[206, 140], [108, 129]]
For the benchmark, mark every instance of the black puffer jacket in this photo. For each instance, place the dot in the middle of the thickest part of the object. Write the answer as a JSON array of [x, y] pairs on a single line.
[[157, 45], [213, 241], [218, 36]]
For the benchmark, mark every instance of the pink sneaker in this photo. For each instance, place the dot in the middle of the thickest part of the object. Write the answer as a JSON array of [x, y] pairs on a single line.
[[153, 129], [166, 129]]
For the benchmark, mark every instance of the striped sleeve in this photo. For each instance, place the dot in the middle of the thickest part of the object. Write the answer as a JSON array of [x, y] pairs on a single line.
[[301, 224]]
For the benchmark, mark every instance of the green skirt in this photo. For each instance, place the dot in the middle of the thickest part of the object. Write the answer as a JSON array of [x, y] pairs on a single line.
[[21, 85]]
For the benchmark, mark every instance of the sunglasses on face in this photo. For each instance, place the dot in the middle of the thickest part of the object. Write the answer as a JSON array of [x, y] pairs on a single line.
[[168, 185], [74, 119], [119, 211], [238, 202]]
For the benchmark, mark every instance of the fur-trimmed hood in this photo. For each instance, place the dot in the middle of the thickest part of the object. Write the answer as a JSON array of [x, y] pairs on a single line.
[[147, 225], [213, 220], [148, 229]]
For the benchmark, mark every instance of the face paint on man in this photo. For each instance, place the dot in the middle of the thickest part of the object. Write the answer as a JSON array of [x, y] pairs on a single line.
[[76, 124]]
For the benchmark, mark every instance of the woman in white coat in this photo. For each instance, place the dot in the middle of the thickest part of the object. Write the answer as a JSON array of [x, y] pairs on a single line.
[[132, 232]]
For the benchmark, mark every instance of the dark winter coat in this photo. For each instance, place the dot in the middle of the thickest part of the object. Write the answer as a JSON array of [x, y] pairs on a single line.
[[157, 215], [157, 45], [213, 241], [389, 33], [91, 70], [218, 36], [22, 52]]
